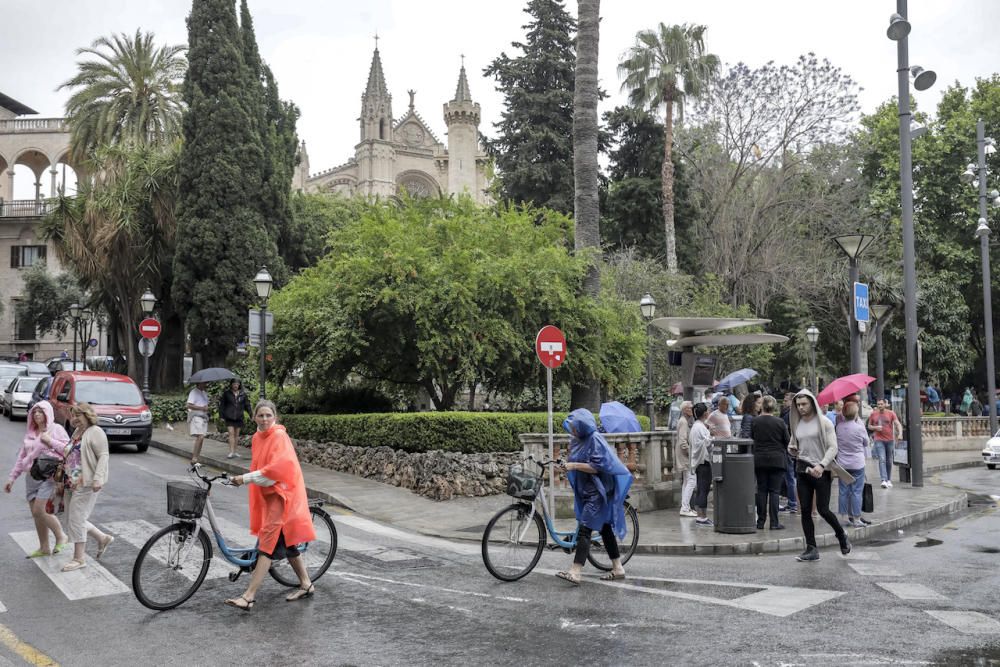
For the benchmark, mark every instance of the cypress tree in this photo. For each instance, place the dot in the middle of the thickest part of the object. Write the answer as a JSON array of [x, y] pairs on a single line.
[[222, 238], [534, 147]]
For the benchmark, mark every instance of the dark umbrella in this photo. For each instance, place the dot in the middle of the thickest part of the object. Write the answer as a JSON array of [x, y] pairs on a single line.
[[616, 418], [211, 375]]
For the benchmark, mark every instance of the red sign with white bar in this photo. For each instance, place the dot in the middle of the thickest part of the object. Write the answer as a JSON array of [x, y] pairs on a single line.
[[149, 328], [550, 346]]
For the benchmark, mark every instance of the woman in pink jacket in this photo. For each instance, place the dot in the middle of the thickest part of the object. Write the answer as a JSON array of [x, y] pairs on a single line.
[[44, 439]]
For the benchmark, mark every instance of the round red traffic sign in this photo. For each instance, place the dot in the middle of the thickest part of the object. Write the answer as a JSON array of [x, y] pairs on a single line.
[[550, 346], [149, 328]]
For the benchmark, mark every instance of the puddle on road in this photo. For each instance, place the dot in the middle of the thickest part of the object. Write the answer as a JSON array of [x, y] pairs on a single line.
[[928, 542], [881, 543], [986, 656], [987, 550]]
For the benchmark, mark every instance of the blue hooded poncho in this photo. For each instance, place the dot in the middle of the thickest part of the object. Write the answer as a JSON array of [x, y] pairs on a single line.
[[597, 499]]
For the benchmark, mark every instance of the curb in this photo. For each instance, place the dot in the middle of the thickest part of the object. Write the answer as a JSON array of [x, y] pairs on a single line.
[[775, 545], [952, 466]]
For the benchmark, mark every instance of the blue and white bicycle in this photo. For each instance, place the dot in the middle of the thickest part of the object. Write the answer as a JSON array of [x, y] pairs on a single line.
[[174, 562]]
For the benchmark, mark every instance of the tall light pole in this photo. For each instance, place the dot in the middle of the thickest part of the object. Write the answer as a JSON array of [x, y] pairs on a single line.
[[899, 29], [648, 307], [985, 145], [853, 245], [880, 313], [74, 313], [148, 302], [812, 335], [263, 282]]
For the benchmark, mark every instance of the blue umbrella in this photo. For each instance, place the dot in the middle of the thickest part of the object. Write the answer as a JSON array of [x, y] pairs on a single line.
[[735, 378], [616, 418]]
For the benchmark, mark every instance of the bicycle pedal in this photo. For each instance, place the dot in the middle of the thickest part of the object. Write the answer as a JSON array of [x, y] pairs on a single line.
[[235, 574], [553, 547]]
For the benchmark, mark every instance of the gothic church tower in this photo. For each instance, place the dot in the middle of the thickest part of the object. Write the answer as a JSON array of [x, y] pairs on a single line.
[[375, 154], [461, 115]]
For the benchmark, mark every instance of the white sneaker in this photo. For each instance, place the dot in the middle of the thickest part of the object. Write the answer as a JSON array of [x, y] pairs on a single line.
[[889, 483], [688, 513], [885, 484]]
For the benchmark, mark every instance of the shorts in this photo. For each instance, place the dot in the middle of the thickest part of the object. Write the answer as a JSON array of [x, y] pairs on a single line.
[[234, 423], [35, 489], [198, 426]]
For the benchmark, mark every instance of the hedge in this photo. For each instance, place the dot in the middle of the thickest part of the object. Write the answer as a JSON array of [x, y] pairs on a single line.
[[466, 432]]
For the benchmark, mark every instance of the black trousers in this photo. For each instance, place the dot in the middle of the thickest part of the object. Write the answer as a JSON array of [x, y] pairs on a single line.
[[818, 487], [704, 475], [768, 488], [583, 542]]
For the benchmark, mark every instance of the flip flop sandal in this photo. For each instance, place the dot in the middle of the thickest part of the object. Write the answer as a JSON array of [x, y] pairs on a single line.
[[38, 553], [613, 576], [301, 593], [244, 607], [569, 577], [73, 565], [59, 547], [104, 547]]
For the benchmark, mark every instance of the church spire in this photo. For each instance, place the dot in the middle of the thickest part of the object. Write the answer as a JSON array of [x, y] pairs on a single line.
[[462, 93], [376, 103], [376, 79]]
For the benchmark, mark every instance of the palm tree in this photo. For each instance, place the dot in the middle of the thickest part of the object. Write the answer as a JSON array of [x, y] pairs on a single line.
[[130, 93], [586, 392], [665, 66]]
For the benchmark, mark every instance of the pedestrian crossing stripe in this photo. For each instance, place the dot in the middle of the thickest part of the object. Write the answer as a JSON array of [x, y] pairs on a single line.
[[87, 582], [138, 532]]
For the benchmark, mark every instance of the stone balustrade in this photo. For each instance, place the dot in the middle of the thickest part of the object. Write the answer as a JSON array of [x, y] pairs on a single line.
[[648, 455], [24, 208], [19, 125], [954, 427]]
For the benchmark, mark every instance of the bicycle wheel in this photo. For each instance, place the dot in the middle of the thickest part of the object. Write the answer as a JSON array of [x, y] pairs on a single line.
[[511, 544], [598, 555], [171, 566], [317, 555]]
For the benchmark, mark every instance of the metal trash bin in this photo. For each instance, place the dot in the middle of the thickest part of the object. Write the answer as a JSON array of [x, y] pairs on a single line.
[[735, 485]]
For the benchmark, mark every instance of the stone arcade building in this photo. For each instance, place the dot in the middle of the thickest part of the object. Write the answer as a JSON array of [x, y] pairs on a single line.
[[393, 155]]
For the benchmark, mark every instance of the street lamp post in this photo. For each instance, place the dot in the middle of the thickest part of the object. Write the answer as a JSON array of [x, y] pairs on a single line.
[[880, 312], [148, 302], [648, 307], [74, 313], [812, 335], [899, 29], [263, 282], [853, 246], [986, 145]]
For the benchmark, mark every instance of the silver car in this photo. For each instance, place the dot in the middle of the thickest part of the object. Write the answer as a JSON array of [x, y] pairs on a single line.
[[17, 395], [991, 452]]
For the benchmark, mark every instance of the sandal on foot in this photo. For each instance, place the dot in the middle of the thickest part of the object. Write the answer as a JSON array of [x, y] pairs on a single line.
[[301, 593], [104, 546], [38, 553], [73, 565], [613, 576], [59, 547], [246, 605], [569, 577]]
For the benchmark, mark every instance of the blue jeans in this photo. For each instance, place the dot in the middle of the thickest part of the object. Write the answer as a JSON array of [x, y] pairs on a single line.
[[790, 482], [849, 499], [882, 450]]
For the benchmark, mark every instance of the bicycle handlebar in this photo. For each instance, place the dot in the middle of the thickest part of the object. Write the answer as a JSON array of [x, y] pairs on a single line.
[[196, 470], [544, 463]]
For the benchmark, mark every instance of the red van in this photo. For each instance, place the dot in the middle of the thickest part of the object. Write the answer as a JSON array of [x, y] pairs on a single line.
[[121, 411]]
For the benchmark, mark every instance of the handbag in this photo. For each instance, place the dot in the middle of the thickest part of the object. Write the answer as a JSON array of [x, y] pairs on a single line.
[[44, 468], [867, 499]]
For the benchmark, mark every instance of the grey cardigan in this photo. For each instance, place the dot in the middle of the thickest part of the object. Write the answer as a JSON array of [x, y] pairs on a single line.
[[94, 456]]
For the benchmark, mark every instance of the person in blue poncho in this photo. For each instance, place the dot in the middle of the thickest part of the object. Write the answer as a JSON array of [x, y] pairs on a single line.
[[600, 484]]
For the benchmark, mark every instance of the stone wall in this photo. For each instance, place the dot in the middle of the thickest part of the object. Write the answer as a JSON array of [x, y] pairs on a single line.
[[436, 475]]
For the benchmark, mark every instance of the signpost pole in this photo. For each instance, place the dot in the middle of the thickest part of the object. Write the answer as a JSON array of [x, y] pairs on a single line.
[[263, 350], [145, 370], [552, 469]]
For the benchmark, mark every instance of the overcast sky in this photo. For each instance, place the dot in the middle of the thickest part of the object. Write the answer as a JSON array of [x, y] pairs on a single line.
[[320, 50]]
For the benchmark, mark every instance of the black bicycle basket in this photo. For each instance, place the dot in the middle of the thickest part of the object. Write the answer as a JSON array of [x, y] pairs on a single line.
[[185, 500], [521, 483]]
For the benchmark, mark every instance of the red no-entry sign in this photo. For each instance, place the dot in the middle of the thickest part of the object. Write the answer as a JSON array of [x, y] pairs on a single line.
[[550, 346], [149, 328]]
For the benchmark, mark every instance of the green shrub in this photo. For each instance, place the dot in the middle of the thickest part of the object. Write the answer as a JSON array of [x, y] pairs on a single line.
[[467, 432], [169, 409]]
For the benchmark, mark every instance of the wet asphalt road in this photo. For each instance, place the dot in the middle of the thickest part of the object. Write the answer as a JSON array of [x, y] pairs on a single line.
[[396, 599]]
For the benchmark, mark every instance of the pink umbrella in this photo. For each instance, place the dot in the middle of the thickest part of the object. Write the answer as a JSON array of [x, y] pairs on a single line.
[[843, 386]]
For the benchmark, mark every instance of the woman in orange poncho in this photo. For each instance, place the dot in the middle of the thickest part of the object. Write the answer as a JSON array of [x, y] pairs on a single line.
[[279, 508]]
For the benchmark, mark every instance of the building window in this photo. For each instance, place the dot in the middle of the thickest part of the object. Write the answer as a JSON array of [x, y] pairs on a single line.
[[24, 327], [23, 256]]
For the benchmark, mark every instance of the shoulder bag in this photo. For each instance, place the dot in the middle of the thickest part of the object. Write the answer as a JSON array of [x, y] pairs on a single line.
[[44, 468]]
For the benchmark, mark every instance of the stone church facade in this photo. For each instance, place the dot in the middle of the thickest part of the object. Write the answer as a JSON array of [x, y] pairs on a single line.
[[404, 154]]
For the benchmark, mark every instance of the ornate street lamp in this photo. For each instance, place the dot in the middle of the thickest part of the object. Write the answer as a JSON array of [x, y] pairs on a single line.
[[74, 313], [647, 306], [263, 282], [148, 302], [812, 335]]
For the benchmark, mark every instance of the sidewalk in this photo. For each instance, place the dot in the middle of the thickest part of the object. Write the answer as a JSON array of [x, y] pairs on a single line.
[[661, 532]]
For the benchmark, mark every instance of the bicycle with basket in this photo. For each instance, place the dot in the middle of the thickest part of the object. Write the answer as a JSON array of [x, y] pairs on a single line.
[[174, 562], [515, 537]]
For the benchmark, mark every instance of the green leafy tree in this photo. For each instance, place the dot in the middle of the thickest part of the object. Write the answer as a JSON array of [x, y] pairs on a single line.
[[128, 92], [533, 150], [46, 299], [440, 294], [222, 236], [664, 67]]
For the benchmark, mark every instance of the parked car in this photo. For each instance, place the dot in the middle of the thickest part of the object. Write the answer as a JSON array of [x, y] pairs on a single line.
[[121, 410], [35, 368], [16, 396], [991, 452], [57, 365], [10, 371], [41, 391]]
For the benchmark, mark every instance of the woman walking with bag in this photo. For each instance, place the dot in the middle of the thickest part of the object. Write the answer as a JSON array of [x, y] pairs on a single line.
[[232, 404], [40, 454], [87, 473], [279, 508]]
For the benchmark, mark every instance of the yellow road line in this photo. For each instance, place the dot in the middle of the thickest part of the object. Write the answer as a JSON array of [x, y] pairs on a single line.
[[30, 654]]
